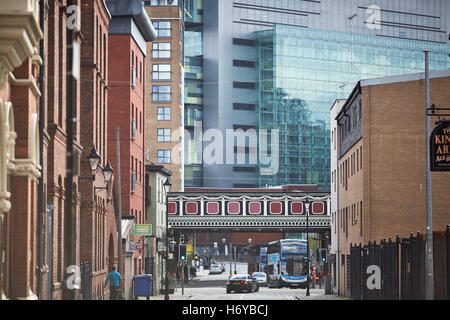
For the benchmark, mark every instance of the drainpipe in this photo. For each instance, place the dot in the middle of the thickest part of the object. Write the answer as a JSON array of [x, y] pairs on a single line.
[[41, 203]]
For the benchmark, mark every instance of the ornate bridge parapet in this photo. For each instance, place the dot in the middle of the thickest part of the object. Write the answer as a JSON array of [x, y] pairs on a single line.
[[287, 212]]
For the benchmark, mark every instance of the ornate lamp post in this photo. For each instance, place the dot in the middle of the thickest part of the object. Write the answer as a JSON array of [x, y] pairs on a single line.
[[248, 254], [94, 164], [231, 267], [167, 185]]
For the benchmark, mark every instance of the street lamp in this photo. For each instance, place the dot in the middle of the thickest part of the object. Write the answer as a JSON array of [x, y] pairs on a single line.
[[249, 260], [94, 164], [94, 160], [307, 203], [231, 266], [108, 172], [167, 185]]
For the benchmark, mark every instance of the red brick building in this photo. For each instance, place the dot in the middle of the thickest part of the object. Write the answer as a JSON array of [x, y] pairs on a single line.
[[98, 222], [19, 148], [61, 137], [129, 30]]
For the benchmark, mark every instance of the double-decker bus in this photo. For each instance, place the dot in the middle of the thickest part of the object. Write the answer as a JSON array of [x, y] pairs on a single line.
[[262, 257], [287, 263]]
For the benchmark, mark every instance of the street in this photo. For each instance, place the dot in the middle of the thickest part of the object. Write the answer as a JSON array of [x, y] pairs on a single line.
[[212, 287]]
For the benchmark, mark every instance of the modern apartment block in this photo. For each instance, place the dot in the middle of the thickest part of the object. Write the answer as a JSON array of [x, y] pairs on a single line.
[[279, 65], [164, 125], [380, 162], [129, 31]]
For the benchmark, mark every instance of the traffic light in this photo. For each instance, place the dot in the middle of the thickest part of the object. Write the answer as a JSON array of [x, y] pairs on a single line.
[[323, 255], [182, 252]]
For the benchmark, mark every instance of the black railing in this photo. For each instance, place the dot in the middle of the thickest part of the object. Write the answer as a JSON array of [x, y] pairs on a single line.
[[86, 281], [402, 268]]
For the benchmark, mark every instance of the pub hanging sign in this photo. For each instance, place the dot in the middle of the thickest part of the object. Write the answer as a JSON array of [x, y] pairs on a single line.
[[440, 147]]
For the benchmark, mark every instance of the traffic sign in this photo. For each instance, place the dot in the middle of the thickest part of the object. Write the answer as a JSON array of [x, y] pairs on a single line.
[[142, 229]]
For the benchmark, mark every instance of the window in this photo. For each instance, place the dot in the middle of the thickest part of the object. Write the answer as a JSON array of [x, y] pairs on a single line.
[[243, 127], [244, 169], [133, 129], [360, 218], [355, 116], [133, 77], [360, 157], [243, 85], [360, 109], [244, 63], [161, 72], [161, 50], [162, 28], [243, 106], [335, 138], [164, 156], [140, 171], [133, 182], [163, 135], [357, 160], [164, 113], [161, 93], [244, 42]]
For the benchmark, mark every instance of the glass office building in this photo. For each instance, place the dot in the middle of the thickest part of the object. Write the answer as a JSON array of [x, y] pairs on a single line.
[[303, 71], [265, 64], [193, 91]]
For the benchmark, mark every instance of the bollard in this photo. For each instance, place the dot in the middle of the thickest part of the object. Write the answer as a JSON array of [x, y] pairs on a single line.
[[327, 284]]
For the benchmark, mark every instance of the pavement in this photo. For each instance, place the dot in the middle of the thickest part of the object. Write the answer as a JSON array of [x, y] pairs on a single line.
[[315, 294], [178, 290]]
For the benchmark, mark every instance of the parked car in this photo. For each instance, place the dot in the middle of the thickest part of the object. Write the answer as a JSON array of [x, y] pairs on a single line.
[[215, 269], [242, 282], [261, 278]]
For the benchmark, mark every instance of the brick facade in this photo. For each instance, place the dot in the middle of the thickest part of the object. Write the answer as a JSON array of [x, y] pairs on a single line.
[[97, 223], [19, 150], [126, 109], [173, 15], [382, 194]]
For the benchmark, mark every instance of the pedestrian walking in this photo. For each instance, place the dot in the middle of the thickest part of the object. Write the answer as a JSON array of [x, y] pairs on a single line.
[[186, 272], [114, 279], [193, 272]]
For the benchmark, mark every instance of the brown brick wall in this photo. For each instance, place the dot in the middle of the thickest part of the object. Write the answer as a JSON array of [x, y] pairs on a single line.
[[391, 184], [152, 124], [394, 158], [96, 211]]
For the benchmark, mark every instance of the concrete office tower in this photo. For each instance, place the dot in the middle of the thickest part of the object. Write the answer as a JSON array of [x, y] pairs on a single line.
[[164, 91], [281, 65]]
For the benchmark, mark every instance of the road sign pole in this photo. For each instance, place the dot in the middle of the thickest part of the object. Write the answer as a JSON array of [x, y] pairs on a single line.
[[429, 266]]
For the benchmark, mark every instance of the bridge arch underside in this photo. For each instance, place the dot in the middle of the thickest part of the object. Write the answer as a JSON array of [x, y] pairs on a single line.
[[249, 224]]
